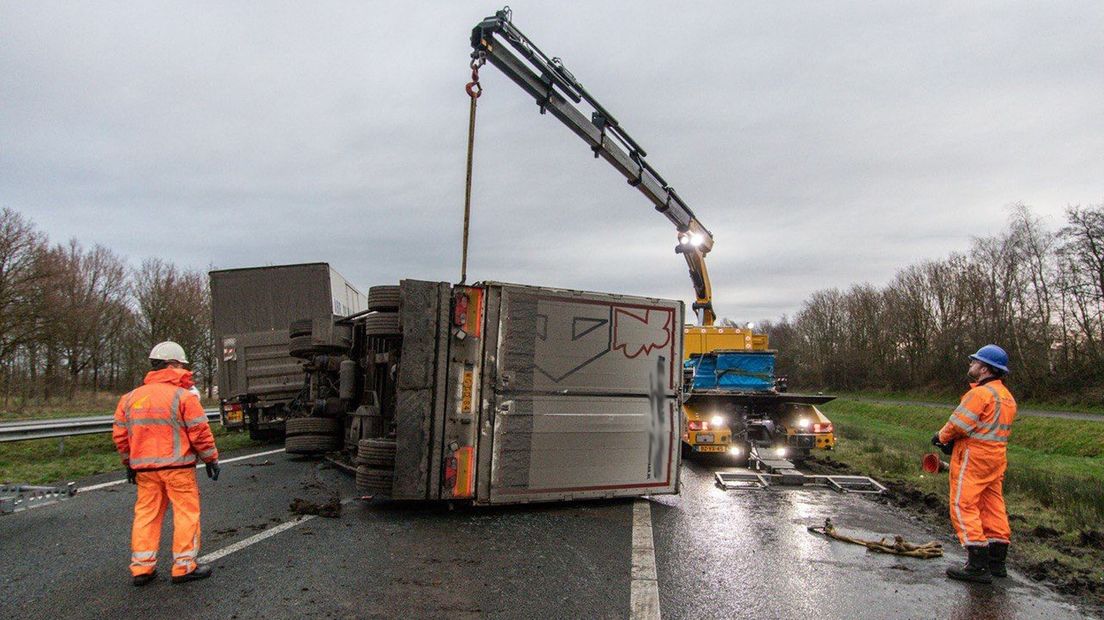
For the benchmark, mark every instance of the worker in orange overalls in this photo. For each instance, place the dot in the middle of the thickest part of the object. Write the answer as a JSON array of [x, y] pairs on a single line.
[[979, 430], [161, 430]]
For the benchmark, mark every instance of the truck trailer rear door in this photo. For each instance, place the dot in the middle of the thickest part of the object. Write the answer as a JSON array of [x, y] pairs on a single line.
[[583, 395]]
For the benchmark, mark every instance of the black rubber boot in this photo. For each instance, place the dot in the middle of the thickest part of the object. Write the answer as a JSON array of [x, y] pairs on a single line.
[[201, 572], [977, 566], [141, 580], [998, 552]]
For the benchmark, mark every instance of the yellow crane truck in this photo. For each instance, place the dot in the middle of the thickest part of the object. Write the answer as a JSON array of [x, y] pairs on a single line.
[[733, 402]]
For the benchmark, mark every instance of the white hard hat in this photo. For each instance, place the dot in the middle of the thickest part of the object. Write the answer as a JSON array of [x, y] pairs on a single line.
[[168, 351]]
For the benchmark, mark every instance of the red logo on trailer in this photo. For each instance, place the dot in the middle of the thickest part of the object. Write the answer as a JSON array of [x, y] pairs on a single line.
[[638, 331]]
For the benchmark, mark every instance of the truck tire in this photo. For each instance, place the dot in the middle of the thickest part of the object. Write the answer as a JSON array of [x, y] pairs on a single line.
[[383, 298], [301, 327], [311, 444], [312, 426], [378, 453], [382, 324], [372, 481]]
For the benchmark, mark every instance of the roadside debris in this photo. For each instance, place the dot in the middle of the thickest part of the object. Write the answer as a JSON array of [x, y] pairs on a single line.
[[330, 509], [264, 463], [899, 546]]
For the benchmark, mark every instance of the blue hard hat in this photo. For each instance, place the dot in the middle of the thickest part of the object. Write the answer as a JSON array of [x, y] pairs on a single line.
[[994, 356]]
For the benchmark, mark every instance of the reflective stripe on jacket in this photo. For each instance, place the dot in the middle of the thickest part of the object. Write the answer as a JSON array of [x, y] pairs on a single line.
[[161, 424], [983, 418]]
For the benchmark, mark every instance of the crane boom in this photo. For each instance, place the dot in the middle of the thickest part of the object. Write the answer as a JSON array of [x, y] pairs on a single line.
[[556, 90]]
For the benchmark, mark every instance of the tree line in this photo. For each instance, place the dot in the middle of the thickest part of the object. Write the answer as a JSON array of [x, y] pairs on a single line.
[[76, 318], [1036, 291]]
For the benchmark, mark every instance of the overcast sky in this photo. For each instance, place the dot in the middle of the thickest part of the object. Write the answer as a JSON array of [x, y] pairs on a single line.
[[823, 143]]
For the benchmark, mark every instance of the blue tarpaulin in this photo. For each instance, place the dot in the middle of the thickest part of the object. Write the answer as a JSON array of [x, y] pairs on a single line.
[[743, 371]]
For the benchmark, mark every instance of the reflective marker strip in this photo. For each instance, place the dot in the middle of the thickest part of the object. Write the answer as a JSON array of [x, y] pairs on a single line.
[[958, 496], [644, 587], [969, 414]]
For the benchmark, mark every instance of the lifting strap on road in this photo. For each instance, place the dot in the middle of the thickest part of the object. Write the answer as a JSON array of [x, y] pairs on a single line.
[[473, 89], [899, 546]]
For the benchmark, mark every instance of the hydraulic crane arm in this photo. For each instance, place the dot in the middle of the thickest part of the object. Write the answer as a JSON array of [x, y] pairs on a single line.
[[557, 91]]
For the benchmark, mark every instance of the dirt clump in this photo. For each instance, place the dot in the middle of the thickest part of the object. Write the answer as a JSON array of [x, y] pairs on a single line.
[[330, 509], [1092, 538], [1042, 531]]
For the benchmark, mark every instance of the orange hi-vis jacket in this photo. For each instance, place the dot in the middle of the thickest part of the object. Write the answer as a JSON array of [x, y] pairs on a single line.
[[161, 425], [983, 420]]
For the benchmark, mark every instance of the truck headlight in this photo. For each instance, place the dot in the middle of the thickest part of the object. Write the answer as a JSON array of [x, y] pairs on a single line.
[[717, 421], [780, 452], [735, 450]]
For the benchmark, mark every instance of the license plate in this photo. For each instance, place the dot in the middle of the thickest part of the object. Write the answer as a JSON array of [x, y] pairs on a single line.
[[710, 448], [802, 441], [234, 416], [705, 437]]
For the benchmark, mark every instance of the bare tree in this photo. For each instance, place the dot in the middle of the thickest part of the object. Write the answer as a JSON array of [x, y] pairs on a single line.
[[89, 289], [22, 272]]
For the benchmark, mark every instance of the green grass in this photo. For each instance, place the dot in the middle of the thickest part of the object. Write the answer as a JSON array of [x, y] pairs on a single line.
[[44, 461], [1055, 474], [948, 397], [83, 404]]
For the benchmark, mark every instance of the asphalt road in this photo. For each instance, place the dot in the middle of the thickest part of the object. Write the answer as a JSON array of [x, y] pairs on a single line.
[[718, 554]]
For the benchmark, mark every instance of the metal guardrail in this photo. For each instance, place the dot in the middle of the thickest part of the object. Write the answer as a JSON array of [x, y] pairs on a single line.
[[67, 427]]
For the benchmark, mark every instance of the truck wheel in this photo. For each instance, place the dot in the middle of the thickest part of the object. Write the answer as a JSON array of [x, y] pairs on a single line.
[[383, 298], [372, 481], [304, 347], [301, 327], [312, 426], [382, 324], [378, 453], [311, 444]]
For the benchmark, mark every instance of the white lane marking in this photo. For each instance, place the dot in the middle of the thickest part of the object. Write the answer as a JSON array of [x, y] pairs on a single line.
[[256, 538], [644, 589], [252, 540], [104, 485]]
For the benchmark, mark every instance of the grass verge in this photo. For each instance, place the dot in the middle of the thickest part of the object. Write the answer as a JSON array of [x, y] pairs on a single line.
[[1054, 487], [45, 461], [948, 397], [83, 404]]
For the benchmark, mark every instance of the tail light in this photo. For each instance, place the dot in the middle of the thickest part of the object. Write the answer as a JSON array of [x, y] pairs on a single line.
[[696, 425], [822, 428]]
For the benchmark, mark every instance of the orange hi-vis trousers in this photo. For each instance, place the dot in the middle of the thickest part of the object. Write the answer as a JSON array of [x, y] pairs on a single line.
[[977, 495], [156, 490]]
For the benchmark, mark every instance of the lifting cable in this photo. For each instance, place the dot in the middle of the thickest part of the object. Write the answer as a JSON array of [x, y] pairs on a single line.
[[474, 90], [899, 546]]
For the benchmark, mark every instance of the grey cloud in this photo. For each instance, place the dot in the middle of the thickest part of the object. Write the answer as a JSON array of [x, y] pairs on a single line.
[[822, 143]]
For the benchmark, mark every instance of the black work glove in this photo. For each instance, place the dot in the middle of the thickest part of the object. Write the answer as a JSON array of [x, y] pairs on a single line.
[[945, 448], [213, 470], [132, 475]]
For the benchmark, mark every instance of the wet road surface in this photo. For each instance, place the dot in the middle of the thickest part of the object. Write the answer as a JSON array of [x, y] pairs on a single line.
[[718, 554]]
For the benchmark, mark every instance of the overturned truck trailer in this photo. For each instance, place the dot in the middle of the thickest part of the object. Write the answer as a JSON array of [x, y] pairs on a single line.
[[502, 393]]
